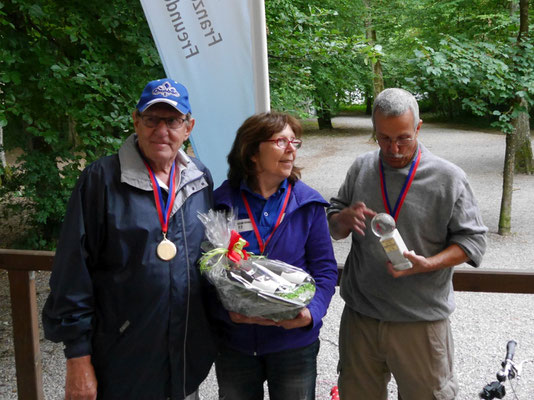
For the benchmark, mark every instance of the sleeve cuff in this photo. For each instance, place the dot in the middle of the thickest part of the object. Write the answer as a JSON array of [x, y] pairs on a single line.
[[77, 348]]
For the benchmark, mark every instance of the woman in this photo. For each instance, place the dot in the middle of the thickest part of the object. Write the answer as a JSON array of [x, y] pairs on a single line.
[[283, 219]]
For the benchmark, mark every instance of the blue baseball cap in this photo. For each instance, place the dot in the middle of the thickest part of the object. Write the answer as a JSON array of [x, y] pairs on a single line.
[[165, 91]]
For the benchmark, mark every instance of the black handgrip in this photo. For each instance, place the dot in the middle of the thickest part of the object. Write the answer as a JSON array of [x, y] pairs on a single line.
[[507, 363], [510, 350]]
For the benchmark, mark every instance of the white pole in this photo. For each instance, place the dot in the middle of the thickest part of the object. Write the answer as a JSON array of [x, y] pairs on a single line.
[[258, 28]]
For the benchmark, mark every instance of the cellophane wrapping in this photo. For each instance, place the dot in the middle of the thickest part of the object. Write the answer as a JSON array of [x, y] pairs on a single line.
[[257, 286]]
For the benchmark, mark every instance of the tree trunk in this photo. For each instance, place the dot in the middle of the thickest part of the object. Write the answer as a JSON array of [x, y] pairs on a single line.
[[523, 146], [3, 162], [74, 138], [378, 77], [523, 20], [505, 218], [513, 140], [324, 119], [370, 33], [5, 171], [368, 105]]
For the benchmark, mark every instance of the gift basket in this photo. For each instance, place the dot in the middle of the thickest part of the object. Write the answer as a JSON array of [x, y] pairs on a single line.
[[251, 285]]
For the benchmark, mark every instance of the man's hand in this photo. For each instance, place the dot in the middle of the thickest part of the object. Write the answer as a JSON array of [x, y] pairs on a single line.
[[303, 319], [450, 257], [420, 264], [243, 319], [350, 219], [81, 379]]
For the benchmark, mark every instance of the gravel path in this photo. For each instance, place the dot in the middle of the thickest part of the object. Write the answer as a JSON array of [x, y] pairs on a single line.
[[482, 323]]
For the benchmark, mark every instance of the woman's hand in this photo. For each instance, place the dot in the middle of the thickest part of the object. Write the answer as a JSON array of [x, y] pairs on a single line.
[[243, 319], [303, 319]]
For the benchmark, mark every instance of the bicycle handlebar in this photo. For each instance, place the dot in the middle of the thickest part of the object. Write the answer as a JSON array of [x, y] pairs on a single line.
[[507, 363], [496, 390]]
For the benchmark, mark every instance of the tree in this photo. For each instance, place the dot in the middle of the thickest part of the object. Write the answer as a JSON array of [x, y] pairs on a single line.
[[523, 147], [487, 79], [70, 76], [315, 56], [518, 150]]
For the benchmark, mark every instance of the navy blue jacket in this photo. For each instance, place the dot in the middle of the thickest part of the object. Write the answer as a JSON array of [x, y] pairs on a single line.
[[302, 240], [142, 319]]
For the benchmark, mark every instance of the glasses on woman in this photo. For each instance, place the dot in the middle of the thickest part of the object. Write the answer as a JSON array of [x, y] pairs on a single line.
[[386, 141], [284, 142], [151, 121]]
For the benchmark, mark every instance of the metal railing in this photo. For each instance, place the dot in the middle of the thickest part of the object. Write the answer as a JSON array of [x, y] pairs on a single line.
[[22, 264]]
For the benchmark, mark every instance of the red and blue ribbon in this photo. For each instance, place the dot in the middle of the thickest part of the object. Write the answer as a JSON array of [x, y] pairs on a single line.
[[405, 188], [164, 210]]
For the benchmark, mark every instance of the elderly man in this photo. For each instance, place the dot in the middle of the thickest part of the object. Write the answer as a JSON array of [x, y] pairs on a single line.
[[126, 295], [396, 321]]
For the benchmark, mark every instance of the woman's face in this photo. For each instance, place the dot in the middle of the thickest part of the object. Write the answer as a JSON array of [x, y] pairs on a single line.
[[274, 163]]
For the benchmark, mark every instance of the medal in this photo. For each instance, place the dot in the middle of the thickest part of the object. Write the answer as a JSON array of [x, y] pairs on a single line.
[[166, 250]]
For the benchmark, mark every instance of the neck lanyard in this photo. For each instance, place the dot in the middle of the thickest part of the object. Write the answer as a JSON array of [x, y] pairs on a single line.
[[255, 225], [404, 190], [164, 210]]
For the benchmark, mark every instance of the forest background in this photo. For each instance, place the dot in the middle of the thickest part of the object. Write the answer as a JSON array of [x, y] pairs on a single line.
[[71, 71]]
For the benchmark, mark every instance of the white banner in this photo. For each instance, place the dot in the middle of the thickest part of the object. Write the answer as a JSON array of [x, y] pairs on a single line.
[[218, 50]]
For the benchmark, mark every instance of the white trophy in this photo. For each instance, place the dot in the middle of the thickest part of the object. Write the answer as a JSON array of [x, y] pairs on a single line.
[[383, 226]]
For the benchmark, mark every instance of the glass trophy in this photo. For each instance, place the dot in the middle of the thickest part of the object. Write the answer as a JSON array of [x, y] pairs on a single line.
[[383, 226]]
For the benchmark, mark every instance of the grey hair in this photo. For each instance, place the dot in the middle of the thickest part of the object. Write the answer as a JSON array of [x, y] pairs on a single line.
[[393, 102]]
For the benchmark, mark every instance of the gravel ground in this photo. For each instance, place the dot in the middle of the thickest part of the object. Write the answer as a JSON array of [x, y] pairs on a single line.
[[482, 323]]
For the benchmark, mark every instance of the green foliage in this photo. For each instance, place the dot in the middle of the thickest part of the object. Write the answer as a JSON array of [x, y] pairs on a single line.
[[406, 26], [315, 56], [483, 78], [70, 75], [303, 292]]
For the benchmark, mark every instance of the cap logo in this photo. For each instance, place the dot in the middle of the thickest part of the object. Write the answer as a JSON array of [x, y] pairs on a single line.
[[165, 90]]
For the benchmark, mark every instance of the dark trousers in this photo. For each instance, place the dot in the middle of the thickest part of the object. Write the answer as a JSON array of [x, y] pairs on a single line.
[[290, 374]]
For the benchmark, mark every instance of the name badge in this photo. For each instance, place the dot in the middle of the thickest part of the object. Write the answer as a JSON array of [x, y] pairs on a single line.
[[244, 225]]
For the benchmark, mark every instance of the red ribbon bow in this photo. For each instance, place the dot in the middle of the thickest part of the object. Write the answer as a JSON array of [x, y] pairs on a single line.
[[235, 248]]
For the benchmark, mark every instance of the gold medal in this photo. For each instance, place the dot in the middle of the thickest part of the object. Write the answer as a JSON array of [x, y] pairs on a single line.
[[166, 249]]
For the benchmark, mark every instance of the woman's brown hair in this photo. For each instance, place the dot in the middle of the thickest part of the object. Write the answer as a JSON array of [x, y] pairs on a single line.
[[251, 133]]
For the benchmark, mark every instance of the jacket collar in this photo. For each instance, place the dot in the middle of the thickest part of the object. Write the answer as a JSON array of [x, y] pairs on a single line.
[[301, 195]]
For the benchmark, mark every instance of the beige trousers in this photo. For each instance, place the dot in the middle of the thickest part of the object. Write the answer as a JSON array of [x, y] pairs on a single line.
[[418, 354]]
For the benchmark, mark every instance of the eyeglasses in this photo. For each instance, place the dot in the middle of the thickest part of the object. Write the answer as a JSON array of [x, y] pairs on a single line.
[[283, 142], [151, 121], [386, 141]]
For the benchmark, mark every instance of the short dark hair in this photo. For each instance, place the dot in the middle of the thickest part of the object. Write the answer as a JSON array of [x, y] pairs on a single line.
[[251, 133]]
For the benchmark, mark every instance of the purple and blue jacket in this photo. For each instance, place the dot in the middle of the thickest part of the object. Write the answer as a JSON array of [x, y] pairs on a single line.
[[303, 240]]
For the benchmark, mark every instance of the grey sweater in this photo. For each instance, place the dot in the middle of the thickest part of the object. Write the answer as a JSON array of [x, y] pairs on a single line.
[[440, 209]]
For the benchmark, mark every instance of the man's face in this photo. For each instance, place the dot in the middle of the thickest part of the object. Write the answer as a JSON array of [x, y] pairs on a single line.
[[397, 138], [160, 143]]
